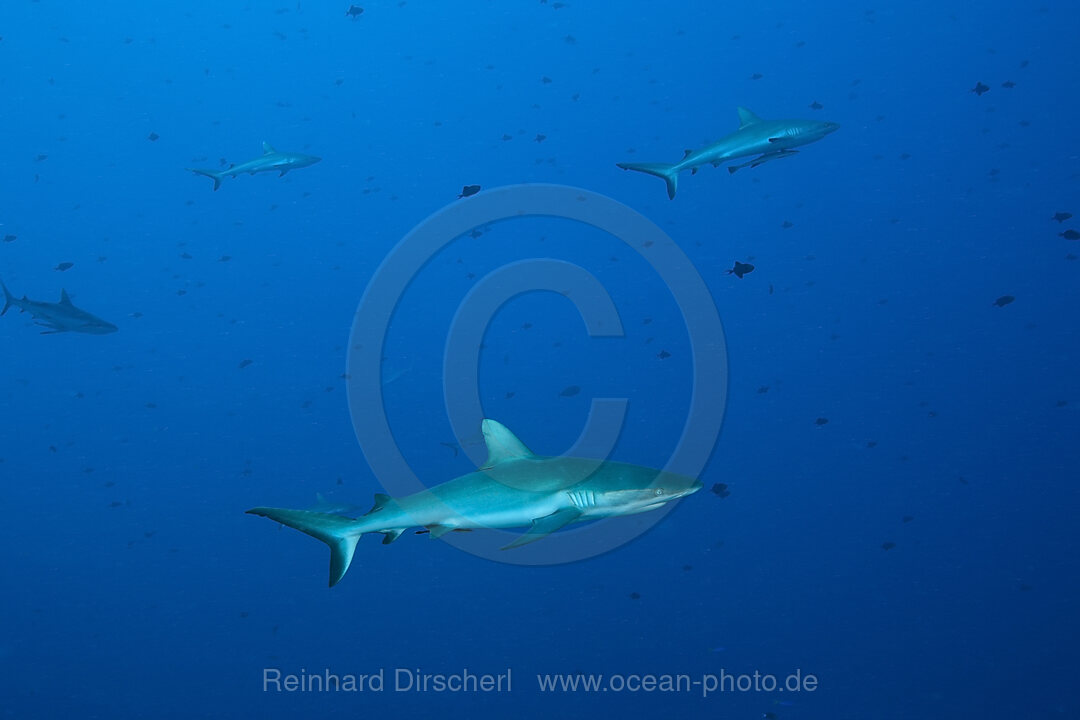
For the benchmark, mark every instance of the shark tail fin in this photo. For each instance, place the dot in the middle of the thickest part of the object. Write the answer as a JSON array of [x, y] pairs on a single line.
[[215, 176], [8, 298], [661, 170], [340, 533]]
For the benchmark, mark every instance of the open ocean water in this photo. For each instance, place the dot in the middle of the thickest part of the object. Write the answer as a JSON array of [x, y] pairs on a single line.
[[887, 523]]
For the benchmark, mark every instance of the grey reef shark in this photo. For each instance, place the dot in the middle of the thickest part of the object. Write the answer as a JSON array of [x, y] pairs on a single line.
[[57, 317], [768, 139], [514, 488], [270, 161]]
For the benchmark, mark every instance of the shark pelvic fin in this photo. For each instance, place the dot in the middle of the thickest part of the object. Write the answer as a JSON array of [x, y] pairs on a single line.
[[747, 118], [502, 444], [391, 535], [542, 527], [337, 532]]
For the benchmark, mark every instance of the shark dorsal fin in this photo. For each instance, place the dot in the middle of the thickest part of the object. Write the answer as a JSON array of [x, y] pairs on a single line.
[[380, 502], [268, 148], [687, 153], [64, 299], [502, 444], [747, 118]]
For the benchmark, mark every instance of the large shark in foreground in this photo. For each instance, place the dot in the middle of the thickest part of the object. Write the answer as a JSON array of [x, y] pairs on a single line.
[[271, 160], [769, 139], [514, 488], [57, 317]]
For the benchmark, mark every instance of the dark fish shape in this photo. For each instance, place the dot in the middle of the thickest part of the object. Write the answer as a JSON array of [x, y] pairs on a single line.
[[244, 363], [721, 490], [979, 88], [1070, 234], [540, 137], [469, 191], [1060, 217], [153, 137], [10, 238], [57, 317], [740, 269], [888, 545], [354, 11], [821, 421], [570, 391], [816, 105], [1004, 300], [1008, 84], [663, 355]]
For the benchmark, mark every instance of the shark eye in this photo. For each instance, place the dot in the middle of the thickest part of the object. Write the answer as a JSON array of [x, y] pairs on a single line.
[[659, 492]]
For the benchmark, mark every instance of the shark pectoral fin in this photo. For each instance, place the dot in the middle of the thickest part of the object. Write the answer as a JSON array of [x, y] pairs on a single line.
[[775, 139], [283, 171], [542, 527]]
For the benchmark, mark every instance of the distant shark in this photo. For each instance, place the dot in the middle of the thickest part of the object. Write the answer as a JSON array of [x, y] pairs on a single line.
[[514, 488], [270, 161], [770, 139], [58, 317]]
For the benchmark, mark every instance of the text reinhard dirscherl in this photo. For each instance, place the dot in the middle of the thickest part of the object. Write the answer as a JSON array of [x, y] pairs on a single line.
[[466, 681], [401, 680]]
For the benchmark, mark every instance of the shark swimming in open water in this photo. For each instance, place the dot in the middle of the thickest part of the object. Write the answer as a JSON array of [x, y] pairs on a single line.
[[514, 488], [769, 139], [271, 160], [57, 317]]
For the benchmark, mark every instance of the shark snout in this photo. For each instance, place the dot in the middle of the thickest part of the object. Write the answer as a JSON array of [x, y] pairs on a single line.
[[831, 127]]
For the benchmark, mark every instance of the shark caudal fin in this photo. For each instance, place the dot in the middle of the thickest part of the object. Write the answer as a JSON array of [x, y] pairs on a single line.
[[215, 176], [336, 531], [8, 297], [660, 170]]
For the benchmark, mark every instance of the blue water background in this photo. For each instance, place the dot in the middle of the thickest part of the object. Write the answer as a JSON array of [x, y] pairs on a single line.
[[134, 585]]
